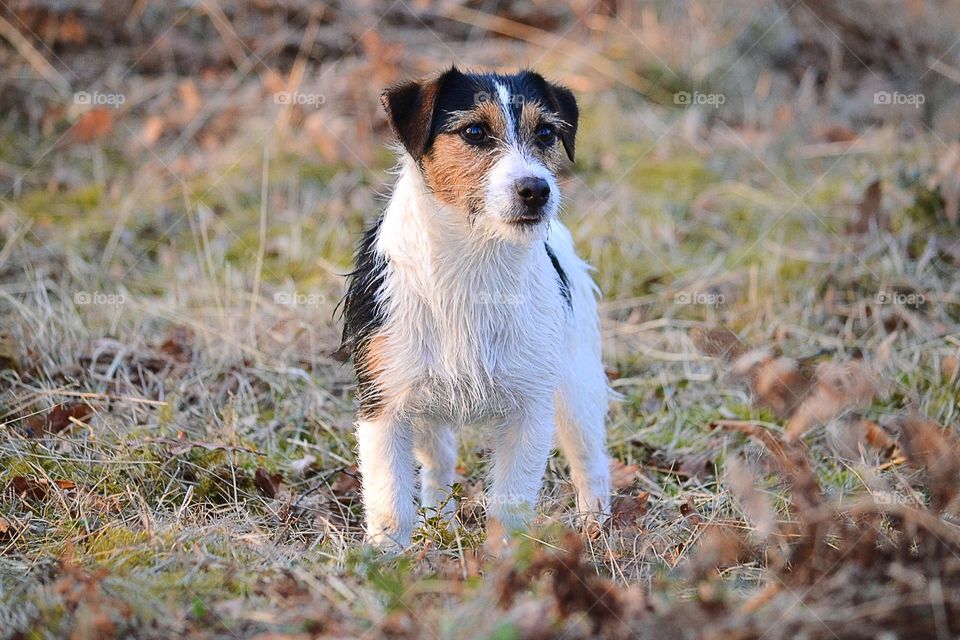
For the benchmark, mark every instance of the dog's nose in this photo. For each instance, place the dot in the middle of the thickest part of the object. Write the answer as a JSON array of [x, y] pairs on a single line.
[[533, 192]]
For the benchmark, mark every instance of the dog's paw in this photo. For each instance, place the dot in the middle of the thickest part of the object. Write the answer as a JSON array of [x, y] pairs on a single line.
[[497, 543]]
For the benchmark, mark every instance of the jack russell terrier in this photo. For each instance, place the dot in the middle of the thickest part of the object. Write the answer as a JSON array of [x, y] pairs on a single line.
[[469, 306]]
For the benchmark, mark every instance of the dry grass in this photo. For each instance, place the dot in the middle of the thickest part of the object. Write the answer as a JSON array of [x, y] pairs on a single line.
[[176, 455]]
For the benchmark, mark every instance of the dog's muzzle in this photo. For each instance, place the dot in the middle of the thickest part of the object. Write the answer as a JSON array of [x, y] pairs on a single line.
[[533, 194]]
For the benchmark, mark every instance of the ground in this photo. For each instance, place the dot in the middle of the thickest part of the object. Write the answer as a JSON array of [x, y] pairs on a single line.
[[780, 321]]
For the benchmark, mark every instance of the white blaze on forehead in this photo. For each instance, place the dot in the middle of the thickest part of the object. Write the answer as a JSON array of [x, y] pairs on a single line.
[[503, 95]]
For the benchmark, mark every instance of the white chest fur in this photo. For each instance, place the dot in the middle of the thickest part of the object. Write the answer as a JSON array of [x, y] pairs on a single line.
[[472, 327]]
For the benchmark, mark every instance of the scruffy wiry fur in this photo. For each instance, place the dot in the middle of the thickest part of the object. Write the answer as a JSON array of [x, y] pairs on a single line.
[[471, 310]]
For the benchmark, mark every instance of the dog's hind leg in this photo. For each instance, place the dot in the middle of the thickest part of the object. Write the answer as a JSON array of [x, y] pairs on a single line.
[[517, 467], [436, 451], [581, 409]]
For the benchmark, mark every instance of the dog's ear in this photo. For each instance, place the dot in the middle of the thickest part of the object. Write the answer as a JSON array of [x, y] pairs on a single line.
[[565, 104], [410, 110]]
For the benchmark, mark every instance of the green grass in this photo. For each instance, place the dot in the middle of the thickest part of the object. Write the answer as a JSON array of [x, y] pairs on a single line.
[[173, 540]]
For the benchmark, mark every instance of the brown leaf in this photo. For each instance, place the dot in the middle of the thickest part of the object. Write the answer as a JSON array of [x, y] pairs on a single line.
[[576, 588], [38, 489], [948, 367], [267, 483], [28, 487], [347, 484], [59, 418], [877, 438], [839, 386], [718, 343], [778, 383], [152, 130], [755, 505], [869, 213], [689, 510], [834, 132], [929, 448], [948, 181], [72, 31], [718, 547], [626, 511], [622, 475], [791, 459], [178, 344], [190, 101], [91, 126]]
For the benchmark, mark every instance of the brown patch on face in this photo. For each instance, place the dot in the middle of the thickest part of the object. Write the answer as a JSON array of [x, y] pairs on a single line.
[[532, 116], [370, 363], [456, 170]]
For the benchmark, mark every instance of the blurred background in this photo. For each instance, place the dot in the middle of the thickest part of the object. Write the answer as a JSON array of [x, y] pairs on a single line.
[[182, 184]]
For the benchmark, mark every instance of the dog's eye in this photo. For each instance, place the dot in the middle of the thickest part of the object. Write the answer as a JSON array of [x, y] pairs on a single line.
[[546, 135], [474, 133]]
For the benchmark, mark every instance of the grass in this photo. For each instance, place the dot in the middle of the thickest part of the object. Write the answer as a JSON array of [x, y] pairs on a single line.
[[203, 343]]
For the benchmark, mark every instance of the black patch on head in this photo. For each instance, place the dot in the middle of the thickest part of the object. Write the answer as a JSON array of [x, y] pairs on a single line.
[[363, 314], [415, 108], [554, 97], [561, 276], [418, 110]]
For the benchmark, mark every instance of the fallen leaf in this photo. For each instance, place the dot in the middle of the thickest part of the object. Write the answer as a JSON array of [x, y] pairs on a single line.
[[28, 487], [869, 212], [755, 505], [717, 343], [839, 386], [929, 448], [38, 489], [152, 130], [685, 466], [689, 510], [626, 511], [948, 367], [719, 546], [622, 475], [72, 31], [834, 132], [190, 101], [58, 419], [178, 344], [267, 483], [948, 181], [347, 484], [91, 126], [778, 383]]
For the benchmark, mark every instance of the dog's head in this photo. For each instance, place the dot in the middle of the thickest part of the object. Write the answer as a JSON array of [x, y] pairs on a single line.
[[488, 145]]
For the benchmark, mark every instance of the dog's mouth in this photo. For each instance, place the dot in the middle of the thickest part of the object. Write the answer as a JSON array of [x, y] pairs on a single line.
[[528, 218]]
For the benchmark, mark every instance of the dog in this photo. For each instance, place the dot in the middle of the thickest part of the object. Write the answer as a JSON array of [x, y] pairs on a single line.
[[469, 306]]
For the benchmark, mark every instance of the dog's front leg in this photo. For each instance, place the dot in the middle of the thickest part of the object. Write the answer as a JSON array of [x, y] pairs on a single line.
[[386, 462], [519, 462]]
